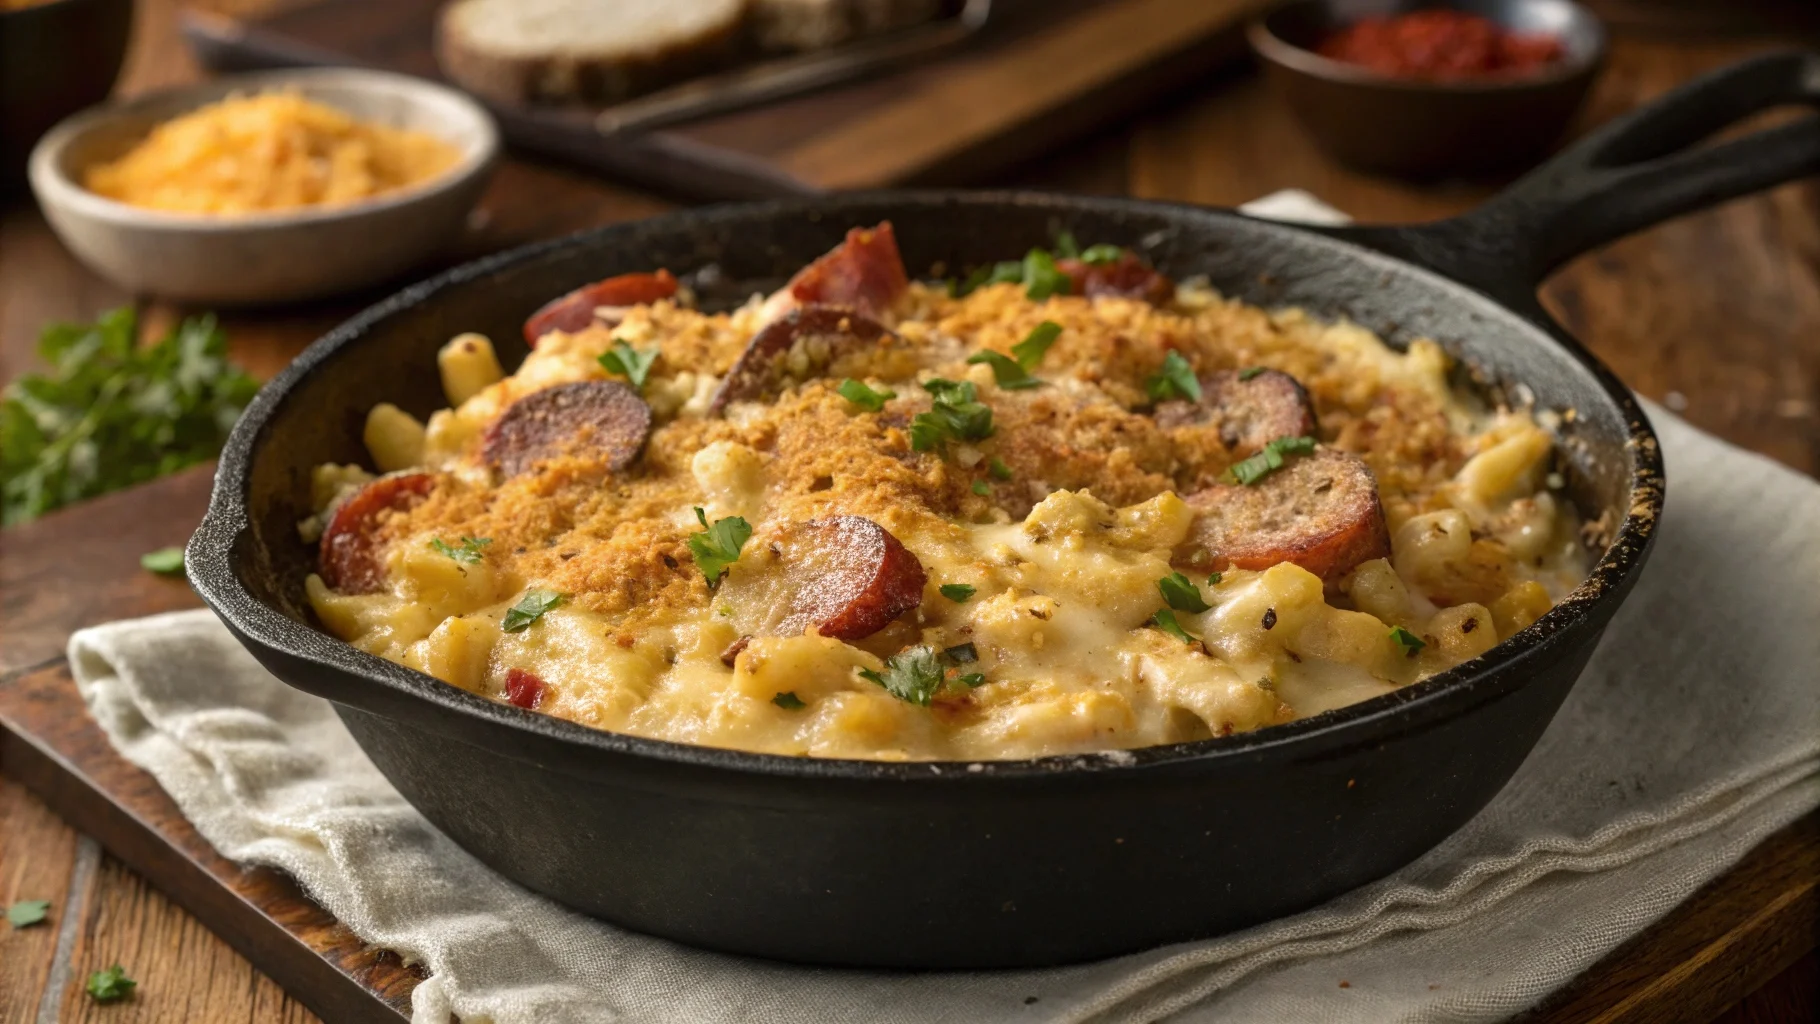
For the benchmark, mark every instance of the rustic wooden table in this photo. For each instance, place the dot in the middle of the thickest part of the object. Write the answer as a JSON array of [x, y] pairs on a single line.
[[1715, 315]]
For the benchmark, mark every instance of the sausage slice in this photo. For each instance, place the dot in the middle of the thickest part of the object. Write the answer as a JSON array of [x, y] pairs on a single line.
[[348, 557], [863, 273], [843, 576], [1319, 511], [1249, 409], [574, 311], [1129, 277], [590, 417], [798, 347]]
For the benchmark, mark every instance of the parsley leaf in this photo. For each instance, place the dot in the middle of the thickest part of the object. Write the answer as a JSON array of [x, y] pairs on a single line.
[[1251, 371], [1181, 593], [789, 701], [1102, 253], [717, 546], [1041, 278], [998, 469], [982, 488], [111, 985], [957, 592], [972, 680], [1005, 370], [913, 675], [633, 364], [1065, 245], [861, 394], [1250, 470], [1035, 345], [957, 414], [111, 413], [26, 913], [467, 552], [1213, 579], [164, 561], [529, 609], [1407, 642], [1175, 380], [1164, 619]]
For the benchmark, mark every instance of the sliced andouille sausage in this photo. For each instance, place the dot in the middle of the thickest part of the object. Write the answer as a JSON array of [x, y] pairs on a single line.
[[795, 348], [575, 310], [1319, 511], [598, 417], [348, 558], [524, 689], [1130, 276], [865, 273], [1249, 408], [845, 577]]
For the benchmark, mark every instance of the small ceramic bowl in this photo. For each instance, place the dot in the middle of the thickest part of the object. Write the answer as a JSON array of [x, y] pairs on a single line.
[[56, 58], [272, 257], [1426, 129]]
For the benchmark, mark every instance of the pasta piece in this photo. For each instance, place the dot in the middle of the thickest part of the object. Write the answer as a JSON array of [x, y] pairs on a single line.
[[394, 438], [468, 365]]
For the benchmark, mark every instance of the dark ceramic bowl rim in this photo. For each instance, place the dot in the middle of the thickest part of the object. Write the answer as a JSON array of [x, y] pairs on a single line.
[[1269, 45], [211, 560]]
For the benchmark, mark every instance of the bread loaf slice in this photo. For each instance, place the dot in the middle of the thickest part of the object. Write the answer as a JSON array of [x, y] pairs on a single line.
[[591, 51], [815, 24]]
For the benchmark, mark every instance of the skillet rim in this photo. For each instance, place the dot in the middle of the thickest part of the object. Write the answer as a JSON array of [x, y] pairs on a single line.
[[211, 553]]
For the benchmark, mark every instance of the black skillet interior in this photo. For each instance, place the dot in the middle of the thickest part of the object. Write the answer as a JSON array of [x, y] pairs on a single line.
[[656, 835]]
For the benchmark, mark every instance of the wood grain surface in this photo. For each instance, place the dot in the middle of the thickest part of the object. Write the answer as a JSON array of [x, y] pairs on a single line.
[[1717, 314]]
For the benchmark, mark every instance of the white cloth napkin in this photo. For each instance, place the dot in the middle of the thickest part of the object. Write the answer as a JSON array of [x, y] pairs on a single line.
[[1693, 735]]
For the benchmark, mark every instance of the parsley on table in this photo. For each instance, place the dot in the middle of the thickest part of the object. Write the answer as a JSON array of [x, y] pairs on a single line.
[[957, 592], [26, 913], [468, 552], [789, 701], [634, 364], [982, 488], [716, 547], [1407, 642], [1035, 345], [529, 609], [914, 675], [1164, 619], [1176, 379], [864, 395], [1041, 277], [111, 413], [1251, 469], [998, 469], [1005, 370], [956, 414], [1181, 593], [1103, 253], [164, 561], [111, 985], [1251, 371]]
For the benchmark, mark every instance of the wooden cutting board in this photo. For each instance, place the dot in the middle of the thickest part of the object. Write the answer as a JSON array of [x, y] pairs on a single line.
[[81, 566], [1037, 76]]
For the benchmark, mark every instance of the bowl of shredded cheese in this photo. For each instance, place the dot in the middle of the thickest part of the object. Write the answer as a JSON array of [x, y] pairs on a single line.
[[264, 188]]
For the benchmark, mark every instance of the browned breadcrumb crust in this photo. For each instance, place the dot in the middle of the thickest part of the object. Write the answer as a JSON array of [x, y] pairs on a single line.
[[617, 543]]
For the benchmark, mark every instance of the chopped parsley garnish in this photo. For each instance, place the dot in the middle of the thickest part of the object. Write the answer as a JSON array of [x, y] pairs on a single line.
[[861, 394], [717, 546], [26, 913], [110, 413], [962, 654], [1102, 253], [631, 363], [1251, 371], [972, 680], [1065, 245], [1181, 593], [957, 592], [1041, 278], [111, 985], [1005, 272], [529, 609], [1175, 380], [1035, 345], [956, 415], [982, 488], [789, 701], [913, 675], [1407, 642], [468, 552], [1267, 684], [164, 561], [1164, 619], [1005, 370], [1250, 470], [1213, 579], [998, 469]]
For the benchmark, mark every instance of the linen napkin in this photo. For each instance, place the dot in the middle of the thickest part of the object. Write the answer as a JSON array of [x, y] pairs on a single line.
[[1693, 735]]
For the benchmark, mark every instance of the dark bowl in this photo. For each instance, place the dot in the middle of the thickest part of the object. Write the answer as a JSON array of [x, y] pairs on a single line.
[[1424, 129], [55, 59], [1004, 863]]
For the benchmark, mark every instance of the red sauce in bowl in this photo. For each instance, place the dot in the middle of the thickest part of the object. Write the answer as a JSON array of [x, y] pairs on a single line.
[[1441, 45]]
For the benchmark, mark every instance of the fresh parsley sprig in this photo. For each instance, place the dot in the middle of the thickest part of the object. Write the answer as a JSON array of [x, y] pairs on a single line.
[[1164, 619], [1013, 372], [789, 701], [864, 395], [917, 674], [717, 546], [1180, 593], [468, 552], [1251, 469], [634, 364], [1103, 253], [164, 561], [529, 609], [1037, 272], [1175, 379], [1407, 642], [111, 985], [957, 592], [956, 414], [26, 913]]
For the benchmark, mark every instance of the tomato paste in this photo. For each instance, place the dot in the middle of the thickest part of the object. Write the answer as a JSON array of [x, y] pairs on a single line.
[[1440, 45]]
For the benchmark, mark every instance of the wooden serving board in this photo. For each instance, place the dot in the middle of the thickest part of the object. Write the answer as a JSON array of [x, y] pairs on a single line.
[[80, 566], [1038, 75]]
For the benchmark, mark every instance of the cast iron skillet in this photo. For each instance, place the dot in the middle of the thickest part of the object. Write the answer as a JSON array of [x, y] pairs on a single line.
[[1011, 863]]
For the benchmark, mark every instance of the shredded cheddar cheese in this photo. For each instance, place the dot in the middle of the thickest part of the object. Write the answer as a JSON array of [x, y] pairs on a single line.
[[275, 151]]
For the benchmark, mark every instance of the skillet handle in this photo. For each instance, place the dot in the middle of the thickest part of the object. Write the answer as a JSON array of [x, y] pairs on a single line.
[[1636, 171]]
